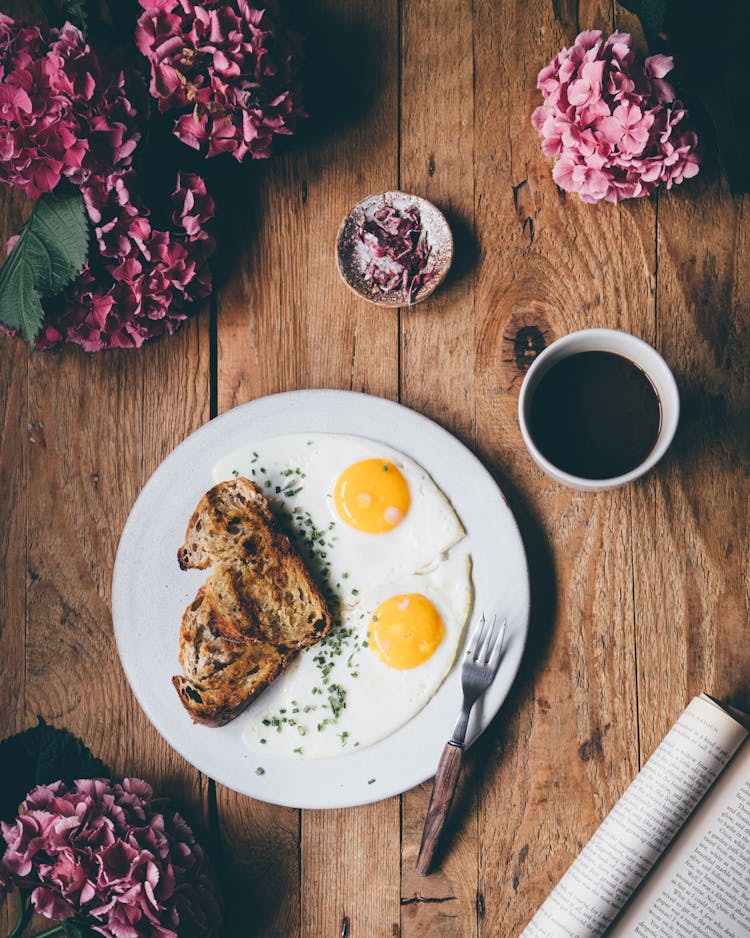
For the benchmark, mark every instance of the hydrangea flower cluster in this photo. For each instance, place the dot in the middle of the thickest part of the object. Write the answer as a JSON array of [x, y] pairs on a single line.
[[112, 857], [63, 118], [139, 283], [612, 122], [230, 67], [138, 279], [63, 115]]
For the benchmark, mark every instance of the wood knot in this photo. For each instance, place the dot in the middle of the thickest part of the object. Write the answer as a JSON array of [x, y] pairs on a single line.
[[592, 748], [524, 336], [528, 342], [524, 342]]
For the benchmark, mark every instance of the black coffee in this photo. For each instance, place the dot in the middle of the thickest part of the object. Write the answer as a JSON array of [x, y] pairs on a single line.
[[595, 415]]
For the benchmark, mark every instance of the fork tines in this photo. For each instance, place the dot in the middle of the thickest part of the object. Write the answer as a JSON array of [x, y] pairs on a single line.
[[486, 641]]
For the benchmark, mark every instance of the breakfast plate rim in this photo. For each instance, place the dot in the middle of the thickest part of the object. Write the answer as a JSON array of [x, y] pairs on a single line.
[[409, 756]]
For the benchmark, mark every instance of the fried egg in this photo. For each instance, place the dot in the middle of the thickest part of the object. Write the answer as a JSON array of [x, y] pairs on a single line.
[[384, 544], [377, 668], [360, 513]]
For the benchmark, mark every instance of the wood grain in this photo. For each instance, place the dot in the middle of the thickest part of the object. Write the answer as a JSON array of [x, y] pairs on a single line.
[[88, 462], [14, 435], [444, 788], [692, 586], [641, 596], [437, 379], [566, 745], [285, 321]]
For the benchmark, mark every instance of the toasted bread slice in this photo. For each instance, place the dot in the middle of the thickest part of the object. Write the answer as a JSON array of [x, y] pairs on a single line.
[[260, 585], [258, 606], [277, 606], [221, 677], [225, 517]]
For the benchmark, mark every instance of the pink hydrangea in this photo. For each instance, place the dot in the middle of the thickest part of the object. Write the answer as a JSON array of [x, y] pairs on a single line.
[[63, 115], [229, 67], [139, 280], [113, 858], [611, 121]]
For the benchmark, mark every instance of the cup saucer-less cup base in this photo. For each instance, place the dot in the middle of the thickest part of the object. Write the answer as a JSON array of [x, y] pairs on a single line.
[[620, 343]]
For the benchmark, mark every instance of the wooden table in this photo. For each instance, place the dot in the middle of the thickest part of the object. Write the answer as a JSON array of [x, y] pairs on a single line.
[[640, 594]]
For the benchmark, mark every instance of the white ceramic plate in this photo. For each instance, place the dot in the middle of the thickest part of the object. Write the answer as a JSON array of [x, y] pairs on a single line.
[[150, 593]]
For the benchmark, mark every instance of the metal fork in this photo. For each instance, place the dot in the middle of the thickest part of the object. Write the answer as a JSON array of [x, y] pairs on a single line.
[[481, 662]]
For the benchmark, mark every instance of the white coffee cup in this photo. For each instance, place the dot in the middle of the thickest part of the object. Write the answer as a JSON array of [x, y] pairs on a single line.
[[620, 343]]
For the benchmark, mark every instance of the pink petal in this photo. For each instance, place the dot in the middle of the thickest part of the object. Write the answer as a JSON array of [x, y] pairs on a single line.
[[657, 66]]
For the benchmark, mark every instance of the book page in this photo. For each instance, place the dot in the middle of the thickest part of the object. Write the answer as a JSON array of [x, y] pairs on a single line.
[[702, 885], [641, 825]]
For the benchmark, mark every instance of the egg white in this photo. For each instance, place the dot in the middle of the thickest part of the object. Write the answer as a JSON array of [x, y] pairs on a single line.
[[298, 473], [337, 697]]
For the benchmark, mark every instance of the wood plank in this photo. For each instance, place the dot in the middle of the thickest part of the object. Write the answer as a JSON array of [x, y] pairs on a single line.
[[14, 439], [95, 440], [691, 583], [350, 871], [690, 587], [286, 321], [14, 442], [87, 458], [437, 379], [565, 745]]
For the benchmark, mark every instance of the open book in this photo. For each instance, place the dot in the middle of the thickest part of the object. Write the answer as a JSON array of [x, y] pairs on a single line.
[[672, 858]]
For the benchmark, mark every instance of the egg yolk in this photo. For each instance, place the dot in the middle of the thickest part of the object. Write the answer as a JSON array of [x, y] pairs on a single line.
[[405, 631], [372, 496]]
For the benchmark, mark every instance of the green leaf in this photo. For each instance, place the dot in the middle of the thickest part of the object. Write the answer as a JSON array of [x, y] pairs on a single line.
[[38, 756], [76, 11], [50, 252]]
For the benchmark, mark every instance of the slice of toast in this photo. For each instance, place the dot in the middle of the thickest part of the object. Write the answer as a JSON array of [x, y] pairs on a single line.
[[261, 586], [220, 677], [275, 606], [227, 515], [258, 606]]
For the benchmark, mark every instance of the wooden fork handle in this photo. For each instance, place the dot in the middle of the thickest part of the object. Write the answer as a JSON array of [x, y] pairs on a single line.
[[446, 779]]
